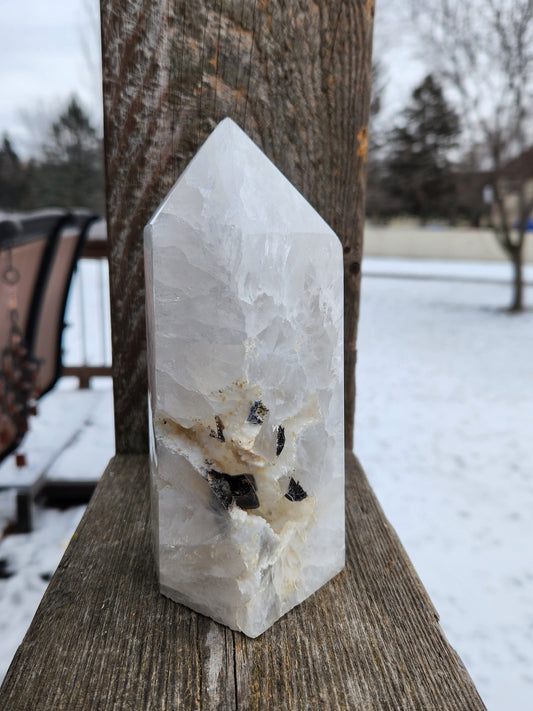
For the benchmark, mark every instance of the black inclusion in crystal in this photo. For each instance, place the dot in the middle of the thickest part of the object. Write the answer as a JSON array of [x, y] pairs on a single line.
[[220, 429], [239, 489], [244, 491], [280, 440], [295, 492], [221, 488], [257, 413]]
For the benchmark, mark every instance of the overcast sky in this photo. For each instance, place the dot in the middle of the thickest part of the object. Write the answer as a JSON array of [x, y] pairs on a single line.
[[47, 48], [398, 51]]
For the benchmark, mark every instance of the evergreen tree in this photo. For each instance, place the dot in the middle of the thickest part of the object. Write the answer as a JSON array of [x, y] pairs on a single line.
[[419, 174], [71, 173], [12, 177]]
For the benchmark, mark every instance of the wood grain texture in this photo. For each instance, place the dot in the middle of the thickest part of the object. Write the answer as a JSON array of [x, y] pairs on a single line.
[[295, 76], [104, 638]]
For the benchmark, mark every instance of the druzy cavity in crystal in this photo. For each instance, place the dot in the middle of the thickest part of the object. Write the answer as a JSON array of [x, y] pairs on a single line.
[[245, 355]]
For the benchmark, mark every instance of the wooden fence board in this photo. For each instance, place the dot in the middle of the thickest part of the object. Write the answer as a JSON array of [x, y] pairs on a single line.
[[295, 76]]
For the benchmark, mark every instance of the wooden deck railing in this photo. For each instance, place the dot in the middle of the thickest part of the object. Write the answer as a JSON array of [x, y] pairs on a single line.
[[105, 638]]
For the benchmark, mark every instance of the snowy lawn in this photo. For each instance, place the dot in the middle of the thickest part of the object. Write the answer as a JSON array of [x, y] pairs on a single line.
[[444, 430], [31, 559], [79, 425], [81, 421]]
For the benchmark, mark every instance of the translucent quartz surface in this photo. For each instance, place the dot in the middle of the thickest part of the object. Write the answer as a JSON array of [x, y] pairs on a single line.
[[245, 351]]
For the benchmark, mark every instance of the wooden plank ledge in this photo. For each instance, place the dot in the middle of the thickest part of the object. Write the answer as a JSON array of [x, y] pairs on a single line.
[[104, 638]]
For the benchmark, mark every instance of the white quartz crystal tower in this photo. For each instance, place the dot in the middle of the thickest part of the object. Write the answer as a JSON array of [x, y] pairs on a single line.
[[245, 349]]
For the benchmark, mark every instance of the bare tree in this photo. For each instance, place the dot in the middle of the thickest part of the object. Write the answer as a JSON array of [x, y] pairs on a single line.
[[483, 52]]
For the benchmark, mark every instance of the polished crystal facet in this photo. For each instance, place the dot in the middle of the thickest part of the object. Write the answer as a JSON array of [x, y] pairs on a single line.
[[245, 328]]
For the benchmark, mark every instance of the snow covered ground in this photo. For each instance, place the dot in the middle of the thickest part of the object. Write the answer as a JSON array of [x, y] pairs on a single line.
[[78, 425], [82, 420], [444, 430]]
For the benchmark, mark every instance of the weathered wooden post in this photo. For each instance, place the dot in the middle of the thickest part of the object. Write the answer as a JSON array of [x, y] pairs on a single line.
[[296, 76]]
